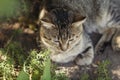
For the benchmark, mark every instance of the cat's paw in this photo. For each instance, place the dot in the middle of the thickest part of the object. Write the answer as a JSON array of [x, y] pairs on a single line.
[[116, 42], [83, 60]]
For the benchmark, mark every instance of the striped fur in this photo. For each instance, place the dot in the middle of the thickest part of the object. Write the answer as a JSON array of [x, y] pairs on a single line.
[[61, 28]]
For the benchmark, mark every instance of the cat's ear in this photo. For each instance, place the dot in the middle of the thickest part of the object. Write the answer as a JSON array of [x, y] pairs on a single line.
[[43, 13], [78, 20], [47, 24], [45, 19]]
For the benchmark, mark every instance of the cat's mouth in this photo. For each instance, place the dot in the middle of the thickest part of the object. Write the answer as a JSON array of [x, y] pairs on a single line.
[[59, 51]]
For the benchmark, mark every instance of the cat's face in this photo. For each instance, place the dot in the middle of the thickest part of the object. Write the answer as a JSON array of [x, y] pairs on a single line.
[[60, 30]]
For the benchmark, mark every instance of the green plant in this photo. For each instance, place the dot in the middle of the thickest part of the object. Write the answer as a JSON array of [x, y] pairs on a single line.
[[8, 7], [33, 66], [102, 70], [11, 57], [60, 76], [84, 76], [23, 76], [47, 72], [6, 66], [40, 66], [37, 65], [13, 9]]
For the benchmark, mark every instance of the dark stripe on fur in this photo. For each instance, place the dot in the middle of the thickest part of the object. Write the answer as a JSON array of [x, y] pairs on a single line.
[[62, 20], [86, 50]]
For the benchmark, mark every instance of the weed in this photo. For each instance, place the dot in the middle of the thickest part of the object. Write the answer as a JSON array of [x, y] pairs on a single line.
[[60, 76], [103, 71], [84, 76], [16, 64], [6, 66]]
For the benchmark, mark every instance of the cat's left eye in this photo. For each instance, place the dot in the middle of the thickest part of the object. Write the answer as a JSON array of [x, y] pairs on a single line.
[[56, 41], [77, 36]]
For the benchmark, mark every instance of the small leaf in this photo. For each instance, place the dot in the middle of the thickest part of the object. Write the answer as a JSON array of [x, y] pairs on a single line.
[[36, 75], [23, 76], [46, 72]]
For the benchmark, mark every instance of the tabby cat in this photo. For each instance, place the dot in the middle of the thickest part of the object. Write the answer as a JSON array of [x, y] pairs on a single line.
[[65, 24]]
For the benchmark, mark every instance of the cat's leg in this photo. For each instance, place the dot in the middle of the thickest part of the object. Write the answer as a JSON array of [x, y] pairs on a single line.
[[107, 36], [116, 41], [87, 55]]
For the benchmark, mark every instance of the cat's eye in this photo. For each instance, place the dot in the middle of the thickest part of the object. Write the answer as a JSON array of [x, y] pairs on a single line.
[[56, 41], [77, 36], [47, 38], [73, 34], [71, 39]]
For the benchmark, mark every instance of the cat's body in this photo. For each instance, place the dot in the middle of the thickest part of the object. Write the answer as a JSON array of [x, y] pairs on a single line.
[[62, 29], [100, 13], [107, 16]]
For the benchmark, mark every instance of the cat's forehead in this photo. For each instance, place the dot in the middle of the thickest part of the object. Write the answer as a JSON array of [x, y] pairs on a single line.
[[61, 17]]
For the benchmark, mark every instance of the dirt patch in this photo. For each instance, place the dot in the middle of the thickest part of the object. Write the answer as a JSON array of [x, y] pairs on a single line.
[[26, 37]]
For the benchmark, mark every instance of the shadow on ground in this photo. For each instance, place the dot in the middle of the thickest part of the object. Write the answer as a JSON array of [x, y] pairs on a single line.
[[25, 36]]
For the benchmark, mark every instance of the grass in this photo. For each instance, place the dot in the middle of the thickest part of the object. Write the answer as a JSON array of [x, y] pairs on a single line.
[[8, 8], [85, 76], [12, 9], [35, 67], [15, 64], [102, 72]]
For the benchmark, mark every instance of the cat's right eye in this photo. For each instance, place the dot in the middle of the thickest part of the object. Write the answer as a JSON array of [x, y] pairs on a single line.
[[73, 34], [47, 38]]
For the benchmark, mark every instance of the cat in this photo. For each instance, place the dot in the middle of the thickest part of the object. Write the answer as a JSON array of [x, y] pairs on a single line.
[[65, 26]]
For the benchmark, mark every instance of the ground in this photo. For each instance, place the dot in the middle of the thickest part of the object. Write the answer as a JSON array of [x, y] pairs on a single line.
[[27, 39]]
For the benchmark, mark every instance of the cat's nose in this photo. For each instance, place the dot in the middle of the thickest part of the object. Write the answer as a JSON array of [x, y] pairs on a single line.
[[64, 47]]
